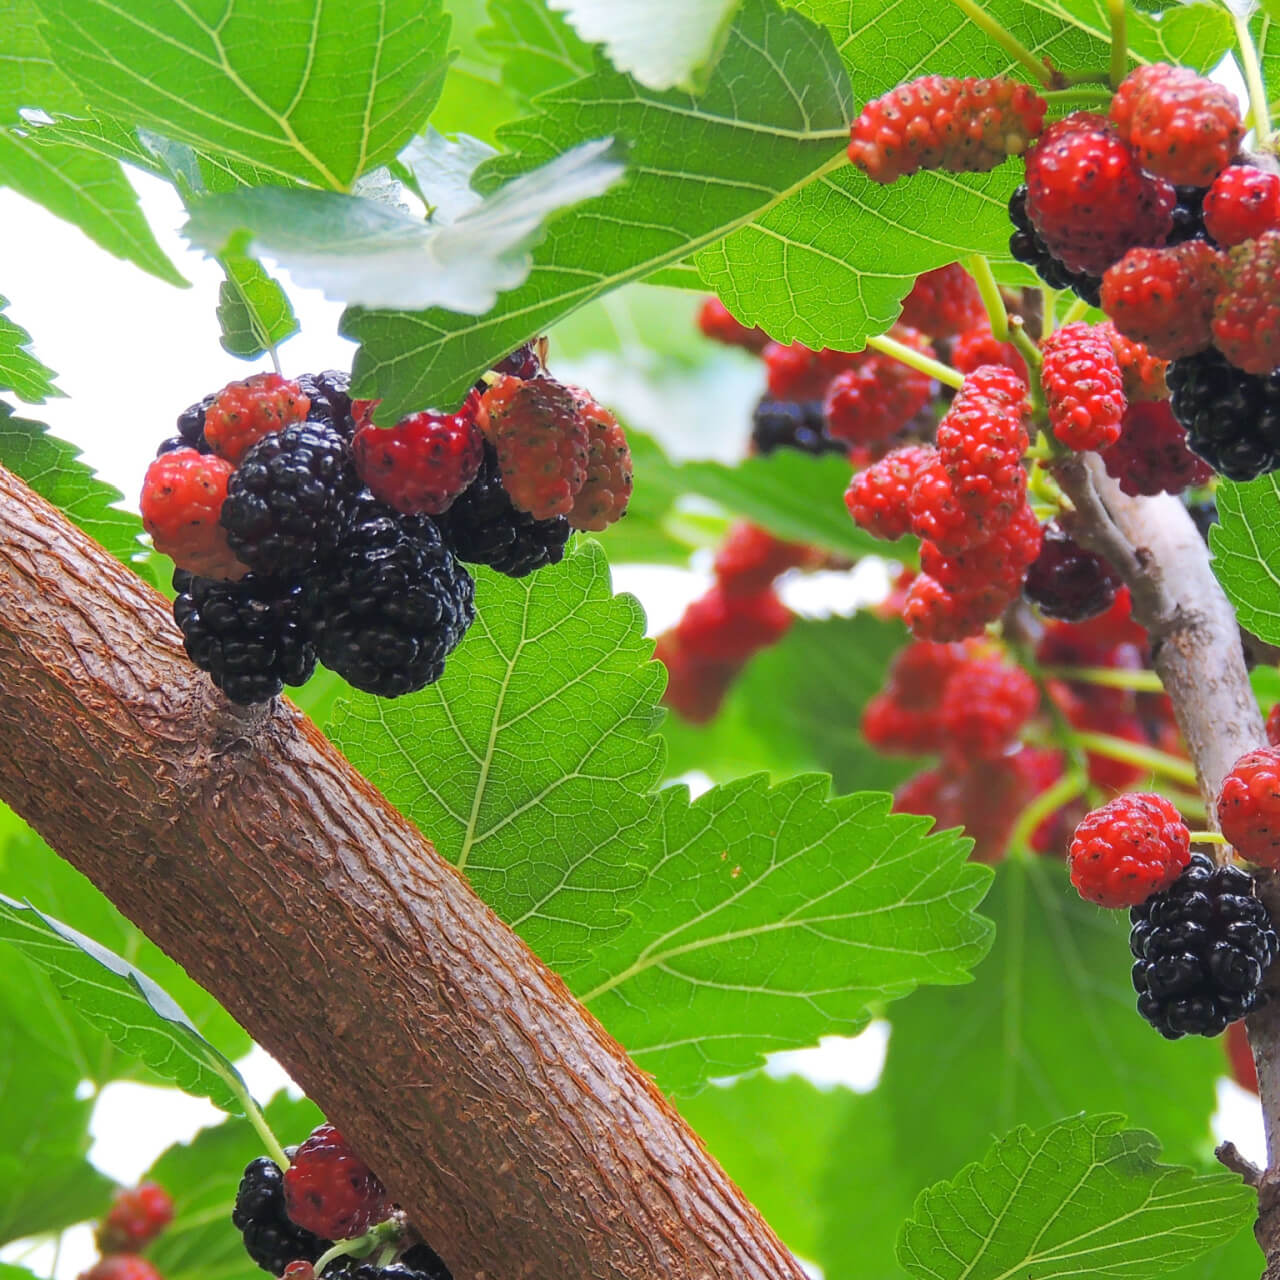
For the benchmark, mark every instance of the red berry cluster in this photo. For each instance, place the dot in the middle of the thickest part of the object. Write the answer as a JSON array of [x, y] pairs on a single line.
[[136, 1217], [722, 630]]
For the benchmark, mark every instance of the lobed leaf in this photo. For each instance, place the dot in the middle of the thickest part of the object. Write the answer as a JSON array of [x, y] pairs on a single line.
[[319, 94], [1246, 549], [771, 916], [363, 251], [1081, 1197], [20, 371], [253, 310], [539, 51]]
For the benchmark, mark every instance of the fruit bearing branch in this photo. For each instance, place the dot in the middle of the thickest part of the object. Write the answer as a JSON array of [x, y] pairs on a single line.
[[517, 1135]]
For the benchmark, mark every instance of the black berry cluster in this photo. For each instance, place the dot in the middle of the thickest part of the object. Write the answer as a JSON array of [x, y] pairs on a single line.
[[787, 424], [270, 1239], [419, 1263], [1232, 417], [336, 575], [1201, 947]]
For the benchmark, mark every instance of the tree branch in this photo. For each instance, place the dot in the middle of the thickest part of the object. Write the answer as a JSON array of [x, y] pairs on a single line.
[[1196, 648], [517, 1135]]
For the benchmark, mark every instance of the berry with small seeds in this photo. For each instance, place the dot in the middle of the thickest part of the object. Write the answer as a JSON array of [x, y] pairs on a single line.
[[1088, 198], [786, 424], [1143, 372], [391, 604], [1151, 455], [716, 322], [528, 361], [136, 1217], [878, 497], [897, 730], [605, 493], [541, 442], [329, 393], [934, 613], [1028, 246], [330, 1191], [979, 346], [423, 463], [243, 412], [354, 1269], [1180, 125], [300, 1269], [1249, 806], [484, 527], [1246, 314], [1083, 387], [1201, 947], [696, 686], [1132, 847], [878, 397], [250, 636], [943, 302], [938, 516], [1164, 298], [723, 627], [288, 497], [994, 569], [1243, 202], [191, 424], [941, 122], [182, 496], [797, 372], [751, 558], [1232, 417], [1066, 581], [121, 1266], [983, 710], [270, 1238]]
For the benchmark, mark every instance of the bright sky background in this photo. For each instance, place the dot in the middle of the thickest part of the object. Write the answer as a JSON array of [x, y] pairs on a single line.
[[131, 352]]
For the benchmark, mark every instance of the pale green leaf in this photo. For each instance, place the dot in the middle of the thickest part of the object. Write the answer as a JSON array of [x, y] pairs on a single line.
[[530, 763], [662, 43], [20, 371], [772, 916], [138, 1015], [362, 251], [53, 469], [29, 78], [86, 188], [318, 94], [442, 169], [1246, 549], [253, 310], [537, 48], [774, 116], [1081, 1197]]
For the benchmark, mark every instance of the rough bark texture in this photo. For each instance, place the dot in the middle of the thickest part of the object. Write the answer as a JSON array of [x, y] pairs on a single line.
[[515, 1132], [1197, 651]]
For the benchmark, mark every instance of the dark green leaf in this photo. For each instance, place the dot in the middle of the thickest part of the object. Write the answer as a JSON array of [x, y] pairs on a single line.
[[87, 189], [540, 738], [20, 371], [253, 310], [1246, 550], [774, 116], [320, 95], [52, 468], [771, 916], [1081, 1197], [140, 1017]]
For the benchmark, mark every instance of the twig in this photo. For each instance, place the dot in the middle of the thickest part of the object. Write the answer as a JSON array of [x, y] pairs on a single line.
[[1229, 1155]]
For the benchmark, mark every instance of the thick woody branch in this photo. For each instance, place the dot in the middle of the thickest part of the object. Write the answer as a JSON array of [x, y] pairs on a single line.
[[1196, 648], [517, 1135]]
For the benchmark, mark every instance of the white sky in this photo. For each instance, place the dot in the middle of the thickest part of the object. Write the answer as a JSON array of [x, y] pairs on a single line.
[[131, 352]]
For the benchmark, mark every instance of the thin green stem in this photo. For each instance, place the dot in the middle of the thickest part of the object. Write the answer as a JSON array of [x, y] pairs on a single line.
[[1026, 348], [917, 360], [1138, 755], [1005, 39], [1119, 40], [980, 269], [1076, 311], [1253, 79], [1048, 311], [1208, 837], [253, 1113], [1109, 678], [1083, 95], [57, 1255], [1062, 792]]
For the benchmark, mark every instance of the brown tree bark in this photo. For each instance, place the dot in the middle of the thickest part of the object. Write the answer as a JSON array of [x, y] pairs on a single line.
[[516, 1133]]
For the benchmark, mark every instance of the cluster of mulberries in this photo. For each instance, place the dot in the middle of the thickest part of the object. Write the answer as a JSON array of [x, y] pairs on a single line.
[[290, 1218], [304, 533]]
